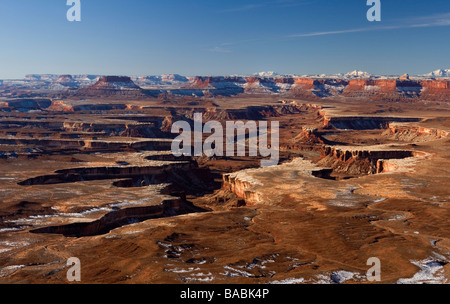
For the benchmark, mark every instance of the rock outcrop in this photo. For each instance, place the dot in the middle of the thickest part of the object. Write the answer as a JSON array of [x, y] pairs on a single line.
[[60, 106], [309, 139], [242, 188], [251, 184], [360, 160], [402, 132]]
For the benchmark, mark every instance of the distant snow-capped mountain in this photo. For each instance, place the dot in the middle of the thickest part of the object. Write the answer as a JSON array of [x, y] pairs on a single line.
[[358, 74], [439, 73], [266, 74], [174, 77]]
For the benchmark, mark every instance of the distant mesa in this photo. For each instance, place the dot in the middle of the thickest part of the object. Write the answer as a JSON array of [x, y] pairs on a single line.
[[43, 77], [114, 81], [174, 77], [33, 77], [404, 77], [112, 85], [163, 80], [27, 104], [64, 79], [86, 79], [64, 82]]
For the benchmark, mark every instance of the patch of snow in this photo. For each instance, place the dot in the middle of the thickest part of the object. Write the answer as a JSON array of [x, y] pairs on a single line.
[[322, 279], [199, 279], [291, 281], [11, 229], [182, 270], [371, 88], [6, 271], [397, 217], [342, 276], [431, 272], [236, 272], [380, 200]]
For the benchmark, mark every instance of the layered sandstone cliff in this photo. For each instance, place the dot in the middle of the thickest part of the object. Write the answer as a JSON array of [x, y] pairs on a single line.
[[251, 185], [361, 160], [362, 122], [411, 133], [399, 89]]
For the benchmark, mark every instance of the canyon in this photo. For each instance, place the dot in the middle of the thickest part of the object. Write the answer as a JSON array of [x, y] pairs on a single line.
[[87, 171]]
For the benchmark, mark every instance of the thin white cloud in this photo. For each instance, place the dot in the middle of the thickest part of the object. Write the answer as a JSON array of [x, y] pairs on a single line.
[[420, 22], [312, 34], [437, 20]]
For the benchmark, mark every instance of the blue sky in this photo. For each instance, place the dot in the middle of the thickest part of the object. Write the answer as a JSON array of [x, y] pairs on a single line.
[[212, 37]]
